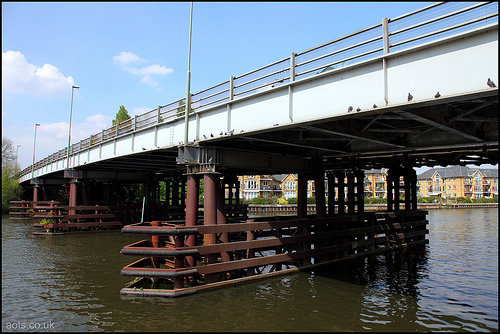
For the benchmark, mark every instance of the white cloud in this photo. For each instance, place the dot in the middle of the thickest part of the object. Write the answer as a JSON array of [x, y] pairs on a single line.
[[124, 59], [152, 69], [148, 80], [19, 76]]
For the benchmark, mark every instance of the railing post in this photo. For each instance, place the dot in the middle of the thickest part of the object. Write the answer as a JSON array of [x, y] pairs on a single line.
[[231, 88], [117, 124], [292, 66], [135, 123], [158, 119]]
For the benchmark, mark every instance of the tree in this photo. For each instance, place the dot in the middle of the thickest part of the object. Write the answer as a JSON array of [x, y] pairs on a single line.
[[8, 153], [10, 170], [121, 115], [181, 108]]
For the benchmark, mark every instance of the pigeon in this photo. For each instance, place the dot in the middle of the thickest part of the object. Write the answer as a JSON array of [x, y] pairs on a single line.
[[211, 135], [349, 109], [490, 83], [221, 133], [358, 109], [374, 105], [410, 97], [205, 137], [144, 149], [275, 124], [437, 95]]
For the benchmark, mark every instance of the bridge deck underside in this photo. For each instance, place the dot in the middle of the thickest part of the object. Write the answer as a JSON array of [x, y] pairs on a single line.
[[453, 132]]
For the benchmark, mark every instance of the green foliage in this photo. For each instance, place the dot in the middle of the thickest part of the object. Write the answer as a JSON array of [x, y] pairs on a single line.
[[464, 200], [282, 201], [375, 200], [11, 190], [46, 221], [432, 199], [257, 200], [485, 200], [181, 108], [311, 200], [121, 115], [292, 200]]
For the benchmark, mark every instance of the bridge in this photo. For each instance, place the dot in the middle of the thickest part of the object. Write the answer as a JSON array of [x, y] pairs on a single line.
[[369, 97], [416, 90]]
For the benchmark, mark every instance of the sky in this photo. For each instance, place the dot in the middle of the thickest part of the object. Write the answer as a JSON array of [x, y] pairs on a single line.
[[136, 55]]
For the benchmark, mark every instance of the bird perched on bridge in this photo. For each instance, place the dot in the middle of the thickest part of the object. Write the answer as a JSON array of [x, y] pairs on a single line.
[[410, 97], [437, 95], [204, 137], [374, 105], [349, 109], [221, 133], [358, 109], [211, 135], [490, 83]]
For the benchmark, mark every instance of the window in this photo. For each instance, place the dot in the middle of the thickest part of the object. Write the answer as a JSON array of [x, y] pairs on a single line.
[[437, 189], [454, 187], [437, 179], [477, 189], [478, 179], [250, 184]]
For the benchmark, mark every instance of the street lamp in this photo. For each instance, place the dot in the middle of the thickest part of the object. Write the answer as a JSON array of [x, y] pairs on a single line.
[[17, 154], [188, 82], [34, 145], [70, 116]]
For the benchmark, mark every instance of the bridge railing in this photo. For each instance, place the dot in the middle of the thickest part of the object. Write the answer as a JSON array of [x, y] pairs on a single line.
[[436, 21]]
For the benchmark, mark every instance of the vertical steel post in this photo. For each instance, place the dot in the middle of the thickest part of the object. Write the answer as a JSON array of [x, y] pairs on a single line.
[[35, 194], [191, 212], [73, 198], [210, 216], [155, 240], [221, 217]]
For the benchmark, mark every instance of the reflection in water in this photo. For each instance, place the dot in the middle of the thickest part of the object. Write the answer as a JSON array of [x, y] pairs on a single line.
[[451, 284]]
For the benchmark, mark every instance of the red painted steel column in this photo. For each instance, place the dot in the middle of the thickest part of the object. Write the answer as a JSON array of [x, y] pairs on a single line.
[[35, 194], [155, 240], [221, 217], [179, 262], [73, 199], [210, 216], [191, 212]]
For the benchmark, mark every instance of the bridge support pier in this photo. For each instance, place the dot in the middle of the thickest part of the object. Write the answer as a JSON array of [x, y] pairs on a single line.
[[398, 179]]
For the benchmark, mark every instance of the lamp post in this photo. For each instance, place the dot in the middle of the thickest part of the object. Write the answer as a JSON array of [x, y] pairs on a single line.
[[34, 145], [17, 154], [70, 116], [188, 83]]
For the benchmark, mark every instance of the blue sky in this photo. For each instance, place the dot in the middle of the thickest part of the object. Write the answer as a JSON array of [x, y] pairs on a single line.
[[135, 54]]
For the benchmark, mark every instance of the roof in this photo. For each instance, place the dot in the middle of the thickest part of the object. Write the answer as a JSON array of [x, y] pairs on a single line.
[[457, 171]]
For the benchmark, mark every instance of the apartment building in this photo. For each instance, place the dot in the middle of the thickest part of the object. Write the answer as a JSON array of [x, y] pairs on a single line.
[[279, 185], [375, 183], [459, 181], [447, 182]]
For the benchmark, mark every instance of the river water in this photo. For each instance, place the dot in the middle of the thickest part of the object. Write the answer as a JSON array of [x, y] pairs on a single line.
[[72, 283]]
